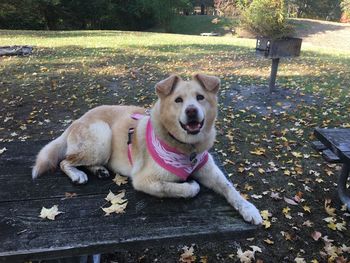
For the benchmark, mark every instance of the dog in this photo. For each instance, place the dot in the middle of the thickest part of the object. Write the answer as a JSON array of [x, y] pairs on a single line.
[[159, 150]]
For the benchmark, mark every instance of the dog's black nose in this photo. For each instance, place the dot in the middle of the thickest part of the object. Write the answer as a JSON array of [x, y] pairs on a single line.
[[191, 112]]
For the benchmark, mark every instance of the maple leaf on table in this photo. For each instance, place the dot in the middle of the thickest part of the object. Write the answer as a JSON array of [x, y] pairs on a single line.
[[49, 213], [119, 180], [118, 203]]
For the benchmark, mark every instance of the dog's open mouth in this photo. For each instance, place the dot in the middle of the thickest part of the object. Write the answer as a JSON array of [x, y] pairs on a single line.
[[192, 127]]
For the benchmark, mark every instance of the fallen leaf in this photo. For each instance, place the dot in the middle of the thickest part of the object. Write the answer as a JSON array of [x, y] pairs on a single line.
[[258, 151], [116, 199], [118, 203], [268, 241], [3, 150], [290, 201], [119, 180], [299, 260], [49, 213], [246, 256], [308, 223], [115, 208], [316, 235], [329, 210], [297, 154], [275, 196], [187, 256]]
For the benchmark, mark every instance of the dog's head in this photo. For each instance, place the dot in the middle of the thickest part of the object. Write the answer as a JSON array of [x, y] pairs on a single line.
[[188, 108]]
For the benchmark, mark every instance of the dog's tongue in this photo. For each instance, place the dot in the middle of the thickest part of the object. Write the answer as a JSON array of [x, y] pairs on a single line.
[[193, 126]]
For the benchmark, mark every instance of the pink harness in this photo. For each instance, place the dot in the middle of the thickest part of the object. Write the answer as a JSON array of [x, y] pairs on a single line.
[[168, 157]]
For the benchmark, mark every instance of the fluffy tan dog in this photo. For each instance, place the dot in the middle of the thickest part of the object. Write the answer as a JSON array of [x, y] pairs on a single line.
[[164, 148]]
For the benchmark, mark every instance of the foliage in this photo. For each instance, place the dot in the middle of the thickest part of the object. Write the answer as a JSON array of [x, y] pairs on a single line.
[[345, 5], [88, 14], [195, 25], [226, 7], [320, 9], [266, 18]]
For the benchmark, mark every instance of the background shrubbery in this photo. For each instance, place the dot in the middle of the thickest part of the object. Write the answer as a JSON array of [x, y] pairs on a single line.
[[265, 18], [89, 14]]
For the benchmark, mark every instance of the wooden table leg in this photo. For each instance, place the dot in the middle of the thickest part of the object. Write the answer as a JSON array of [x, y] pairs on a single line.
[[342, 180]]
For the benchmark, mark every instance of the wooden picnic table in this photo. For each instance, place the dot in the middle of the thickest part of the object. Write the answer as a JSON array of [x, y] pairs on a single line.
[[335, 147], [83, 228]]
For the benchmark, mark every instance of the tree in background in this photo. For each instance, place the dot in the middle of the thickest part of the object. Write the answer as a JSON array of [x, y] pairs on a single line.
[[88, 14], [321, 9], [345, 6]]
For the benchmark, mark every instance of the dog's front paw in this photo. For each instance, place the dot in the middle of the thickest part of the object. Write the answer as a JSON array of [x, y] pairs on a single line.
[[250, 213], [79, 177], [194, 188]]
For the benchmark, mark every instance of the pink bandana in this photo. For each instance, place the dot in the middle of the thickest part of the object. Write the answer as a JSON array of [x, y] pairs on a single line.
[[168, 157]]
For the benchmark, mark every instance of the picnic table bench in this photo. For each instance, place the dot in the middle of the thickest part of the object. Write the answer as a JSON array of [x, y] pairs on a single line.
[[83, 228], [335, 147]]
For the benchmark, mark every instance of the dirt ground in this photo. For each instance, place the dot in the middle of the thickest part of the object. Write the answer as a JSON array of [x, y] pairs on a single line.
[[324, 34]]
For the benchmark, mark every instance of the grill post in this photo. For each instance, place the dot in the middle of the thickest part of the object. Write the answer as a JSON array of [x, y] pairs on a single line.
[[273, 74]]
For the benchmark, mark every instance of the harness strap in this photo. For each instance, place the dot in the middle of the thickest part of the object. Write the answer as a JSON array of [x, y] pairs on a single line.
[[135, 116]]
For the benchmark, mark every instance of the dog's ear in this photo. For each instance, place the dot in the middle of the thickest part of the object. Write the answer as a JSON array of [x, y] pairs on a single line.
[[210, 83], [166, 86]]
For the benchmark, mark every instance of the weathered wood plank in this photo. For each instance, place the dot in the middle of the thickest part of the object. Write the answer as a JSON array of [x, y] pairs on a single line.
[[83, 228], [337, 140], [318, 146], [330, 157]]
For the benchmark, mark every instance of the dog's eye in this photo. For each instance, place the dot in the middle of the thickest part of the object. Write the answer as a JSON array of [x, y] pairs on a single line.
[[200, 97], [178, 100]]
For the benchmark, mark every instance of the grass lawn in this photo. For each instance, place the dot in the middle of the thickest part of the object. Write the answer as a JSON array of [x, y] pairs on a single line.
[[268, 156]]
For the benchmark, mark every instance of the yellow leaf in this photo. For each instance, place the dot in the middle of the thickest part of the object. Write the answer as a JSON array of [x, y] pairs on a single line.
[[266, 223], [268, 241], [258, 151], [285, 210], [329, 210], [261, 170], [307, 208], [297, 154], [332, 226], [265, 214]]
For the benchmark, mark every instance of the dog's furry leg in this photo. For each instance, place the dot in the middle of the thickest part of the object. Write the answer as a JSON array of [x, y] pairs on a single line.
[[166, 189], [212, 177], [73, 173], [100, 171]]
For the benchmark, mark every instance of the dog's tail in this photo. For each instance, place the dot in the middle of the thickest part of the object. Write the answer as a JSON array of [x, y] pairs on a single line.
[[50, 155]]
